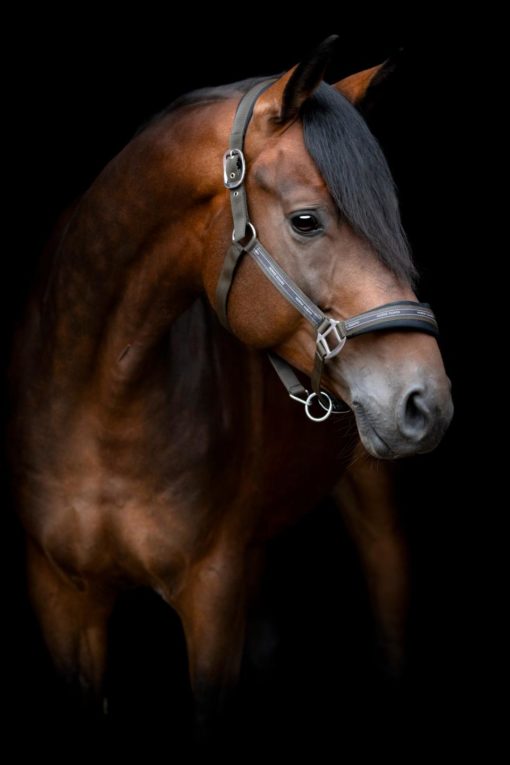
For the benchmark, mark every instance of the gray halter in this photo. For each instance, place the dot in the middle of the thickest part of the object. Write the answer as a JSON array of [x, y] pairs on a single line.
[[331, 334]]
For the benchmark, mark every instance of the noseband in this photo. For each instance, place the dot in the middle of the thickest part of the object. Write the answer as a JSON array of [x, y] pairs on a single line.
[[331, 334]]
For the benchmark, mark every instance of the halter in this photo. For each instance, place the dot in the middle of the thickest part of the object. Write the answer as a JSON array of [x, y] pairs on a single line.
[[331, 334]]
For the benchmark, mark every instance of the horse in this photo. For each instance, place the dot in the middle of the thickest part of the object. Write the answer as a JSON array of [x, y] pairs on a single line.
[[151, 442]]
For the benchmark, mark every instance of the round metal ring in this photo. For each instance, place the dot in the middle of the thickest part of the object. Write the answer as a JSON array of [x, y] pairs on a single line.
[[253, 235], [308, 403]]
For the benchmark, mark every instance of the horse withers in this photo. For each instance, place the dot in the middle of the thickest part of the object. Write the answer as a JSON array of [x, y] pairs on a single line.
[[151, 446]]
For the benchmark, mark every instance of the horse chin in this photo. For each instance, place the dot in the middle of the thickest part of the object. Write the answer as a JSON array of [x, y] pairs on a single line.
[[375, 445]]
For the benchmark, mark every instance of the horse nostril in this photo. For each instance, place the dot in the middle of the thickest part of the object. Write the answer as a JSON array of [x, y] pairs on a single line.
[[415, 415]]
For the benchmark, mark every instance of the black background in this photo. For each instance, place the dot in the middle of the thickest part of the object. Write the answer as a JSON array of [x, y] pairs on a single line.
[[79, 94]]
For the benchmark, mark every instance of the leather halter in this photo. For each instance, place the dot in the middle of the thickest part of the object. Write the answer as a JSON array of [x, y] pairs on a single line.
[[331, 334]]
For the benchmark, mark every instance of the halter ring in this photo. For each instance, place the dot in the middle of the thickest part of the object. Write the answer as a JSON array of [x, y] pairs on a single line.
[[251, 232], [308, 403]]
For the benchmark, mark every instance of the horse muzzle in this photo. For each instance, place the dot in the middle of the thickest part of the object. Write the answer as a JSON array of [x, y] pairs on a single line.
[[400, 424]]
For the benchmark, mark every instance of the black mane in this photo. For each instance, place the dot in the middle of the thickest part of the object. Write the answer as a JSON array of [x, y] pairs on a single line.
[[351, 163]]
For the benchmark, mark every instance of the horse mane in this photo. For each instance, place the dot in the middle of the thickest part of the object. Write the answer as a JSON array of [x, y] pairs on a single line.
[[350, 161]]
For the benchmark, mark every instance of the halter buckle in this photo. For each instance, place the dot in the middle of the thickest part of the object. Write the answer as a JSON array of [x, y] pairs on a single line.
[[234, 168], [328, 331]]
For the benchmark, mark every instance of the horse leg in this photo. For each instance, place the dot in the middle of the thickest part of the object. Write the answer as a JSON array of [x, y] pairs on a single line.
[[73, 617], [365, 496], [213, 612]]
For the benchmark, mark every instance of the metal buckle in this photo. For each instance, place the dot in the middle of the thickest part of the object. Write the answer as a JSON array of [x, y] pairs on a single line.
[[323, 346], [234, 168]]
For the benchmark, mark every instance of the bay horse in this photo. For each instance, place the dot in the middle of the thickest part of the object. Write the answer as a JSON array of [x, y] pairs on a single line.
[[152, 447]]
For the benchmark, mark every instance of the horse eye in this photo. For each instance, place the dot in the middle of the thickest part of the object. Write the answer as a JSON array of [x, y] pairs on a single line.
[[305, 223]]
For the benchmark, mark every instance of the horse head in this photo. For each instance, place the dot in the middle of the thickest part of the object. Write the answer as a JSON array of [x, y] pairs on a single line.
[[323, 203]]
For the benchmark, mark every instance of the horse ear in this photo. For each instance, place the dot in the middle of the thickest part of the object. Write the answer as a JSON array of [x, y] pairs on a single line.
[[280, 103], [362, 88]]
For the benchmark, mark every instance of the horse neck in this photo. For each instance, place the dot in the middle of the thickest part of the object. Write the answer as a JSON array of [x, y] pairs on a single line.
[[130, 260]]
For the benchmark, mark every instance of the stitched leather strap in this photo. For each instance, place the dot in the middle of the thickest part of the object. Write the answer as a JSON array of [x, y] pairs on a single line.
[[402, 314]]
